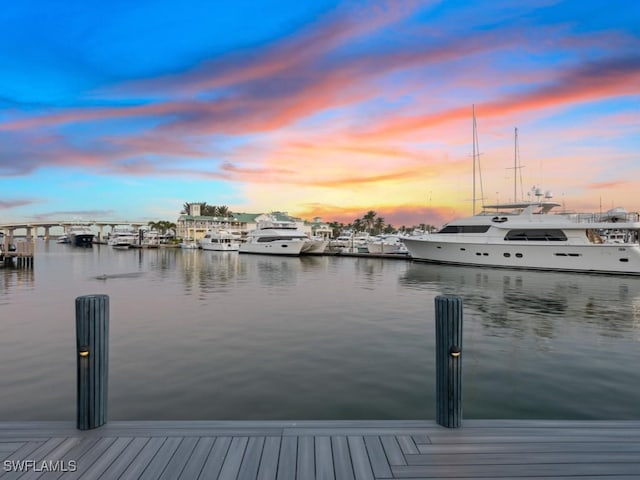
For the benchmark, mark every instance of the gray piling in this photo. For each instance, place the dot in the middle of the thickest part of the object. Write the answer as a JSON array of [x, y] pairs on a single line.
[[92, 353], [449, 361]]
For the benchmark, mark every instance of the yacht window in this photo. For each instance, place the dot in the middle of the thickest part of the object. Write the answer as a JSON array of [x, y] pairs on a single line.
[[276, 238], [536, 235], [465, 229], [519, 255], [624, 259], [507, 254]]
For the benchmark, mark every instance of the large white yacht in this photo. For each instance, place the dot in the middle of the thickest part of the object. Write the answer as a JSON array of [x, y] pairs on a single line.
[[527, 235], [220, 240], [122, 237], [276, 238]]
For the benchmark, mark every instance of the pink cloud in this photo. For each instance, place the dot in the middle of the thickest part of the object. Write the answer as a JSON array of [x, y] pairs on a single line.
[[407, 215]]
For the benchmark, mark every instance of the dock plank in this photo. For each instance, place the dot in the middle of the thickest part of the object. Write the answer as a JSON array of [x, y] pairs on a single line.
[[118, 467], [38, 455], [179, 459], [197, 459], [74, 454], [377, 457], [105, 459], [392, 450], [342, 464], [407, 445], [306, 458], [251, 460], [86, 463], [142, 460], [233, 460], [10, 446], [324, 459], [213, 465], [269, 462], [334, 450], [161, 459], [287, 462], [361, 463]]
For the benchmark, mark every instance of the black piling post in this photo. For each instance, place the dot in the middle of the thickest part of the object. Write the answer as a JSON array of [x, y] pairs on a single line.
[[92, 345], [448, 361]]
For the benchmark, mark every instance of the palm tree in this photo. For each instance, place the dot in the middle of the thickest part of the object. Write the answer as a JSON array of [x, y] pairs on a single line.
[[186, 208], [223, 211], [368, 219], [378, 225], [358, 225], [336, 228]]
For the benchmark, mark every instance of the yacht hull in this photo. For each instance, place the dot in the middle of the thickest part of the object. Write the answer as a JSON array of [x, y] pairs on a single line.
[[220, 247], [622, 259], [284, 247], [81, 240]]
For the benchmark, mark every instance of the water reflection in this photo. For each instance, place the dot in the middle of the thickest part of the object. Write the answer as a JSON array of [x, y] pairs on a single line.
[[14, 280], [533, 301]]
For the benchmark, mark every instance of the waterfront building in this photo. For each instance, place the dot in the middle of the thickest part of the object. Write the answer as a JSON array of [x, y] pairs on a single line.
[[194, 226]]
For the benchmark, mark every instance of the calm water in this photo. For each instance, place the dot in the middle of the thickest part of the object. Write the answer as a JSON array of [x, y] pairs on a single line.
[[208, 335]]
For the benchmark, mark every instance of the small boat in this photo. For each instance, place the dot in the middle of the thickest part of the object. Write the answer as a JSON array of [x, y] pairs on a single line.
[[220, 240], [387, 244], [80, 236], [63, 239], [189, 245]]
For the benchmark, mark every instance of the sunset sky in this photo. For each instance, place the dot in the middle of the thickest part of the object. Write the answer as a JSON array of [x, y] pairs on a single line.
[[126, 110]]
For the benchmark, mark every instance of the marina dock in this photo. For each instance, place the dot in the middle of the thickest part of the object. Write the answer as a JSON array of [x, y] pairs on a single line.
[[310, 450]]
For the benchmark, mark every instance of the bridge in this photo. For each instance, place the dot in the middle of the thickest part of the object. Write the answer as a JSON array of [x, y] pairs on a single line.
[[31, 228]]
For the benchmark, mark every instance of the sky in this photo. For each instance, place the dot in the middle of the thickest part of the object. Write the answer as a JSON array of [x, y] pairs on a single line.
[[127, 110]]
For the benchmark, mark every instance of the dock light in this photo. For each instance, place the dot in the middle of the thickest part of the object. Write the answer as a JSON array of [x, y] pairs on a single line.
[[455, 351], [84, 351]]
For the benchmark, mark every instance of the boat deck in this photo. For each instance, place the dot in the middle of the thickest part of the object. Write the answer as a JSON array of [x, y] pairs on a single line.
[[322, 450]]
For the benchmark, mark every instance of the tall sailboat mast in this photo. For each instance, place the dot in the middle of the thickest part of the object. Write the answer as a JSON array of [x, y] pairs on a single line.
[[476, 160], [473, 113], [515, 166]]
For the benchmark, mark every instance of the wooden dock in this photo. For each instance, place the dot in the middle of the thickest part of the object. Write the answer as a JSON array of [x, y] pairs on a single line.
[[308, 450], [23, 252]]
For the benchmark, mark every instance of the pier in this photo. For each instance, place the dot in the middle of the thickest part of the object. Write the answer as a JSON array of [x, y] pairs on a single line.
[[22, 253], [308, 450]]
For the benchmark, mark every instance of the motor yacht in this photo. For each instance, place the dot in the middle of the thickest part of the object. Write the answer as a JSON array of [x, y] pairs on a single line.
[[276, 238], [80, 236], [220, 240], [528, 235], [122, 238]]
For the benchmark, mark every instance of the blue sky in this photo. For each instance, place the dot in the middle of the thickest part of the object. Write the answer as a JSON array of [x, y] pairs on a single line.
[[129, 109]]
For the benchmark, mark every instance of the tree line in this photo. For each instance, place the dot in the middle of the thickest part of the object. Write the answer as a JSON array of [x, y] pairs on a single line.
[[207, 210], [371, 223]]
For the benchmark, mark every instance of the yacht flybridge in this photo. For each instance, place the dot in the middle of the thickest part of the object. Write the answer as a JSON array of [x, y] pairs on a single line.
[[528, 235]]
